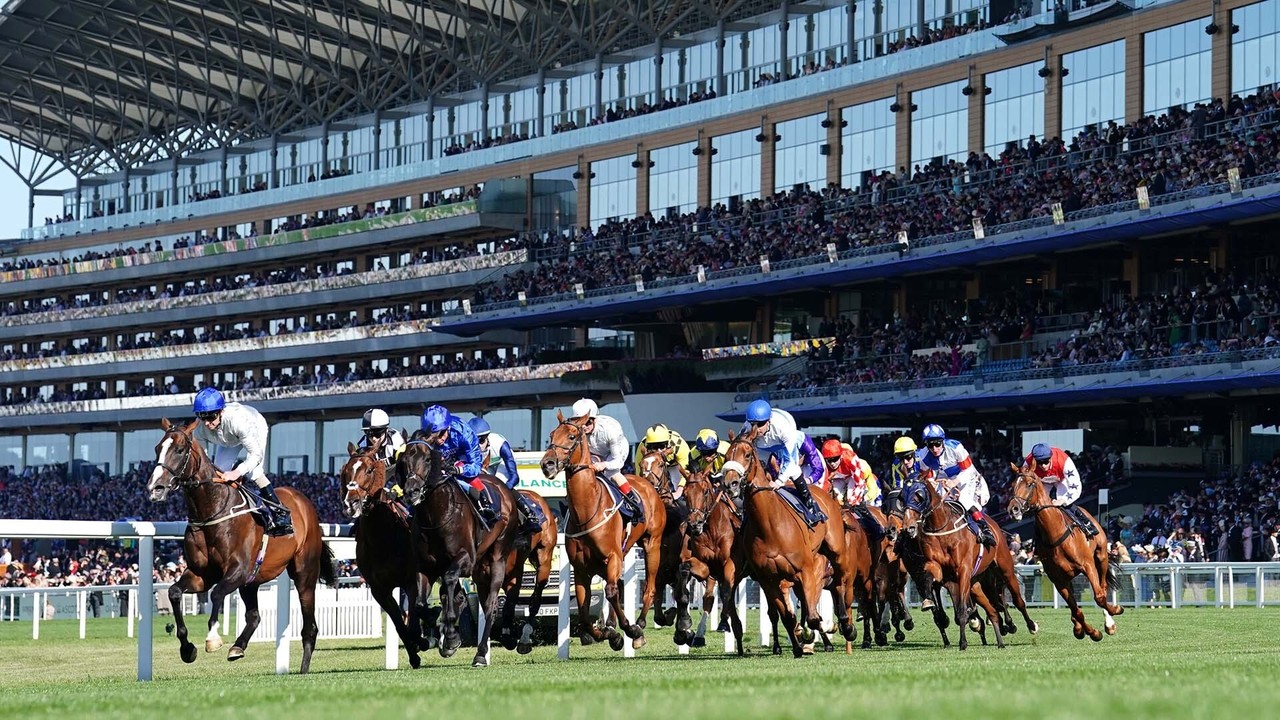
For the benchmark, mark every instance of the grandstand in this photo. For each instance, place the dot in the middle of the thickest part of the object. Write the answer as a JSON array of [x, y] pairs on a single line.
[[983, 213]]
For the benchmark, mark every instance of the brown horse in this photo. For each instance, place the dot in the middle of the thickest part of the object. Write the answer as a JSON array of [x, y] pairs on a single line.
[[653, 468], [781, 550], [594, 533], [452, 542], [1065, 552], [384, 550], [973, 576], [226, 550], [714, 551], [538, 551], [862, 553], [890, 584]]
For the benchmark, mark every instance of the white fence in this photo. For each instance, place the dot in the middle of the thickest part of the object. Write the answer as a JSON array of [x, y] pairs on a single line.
[[349, 612]]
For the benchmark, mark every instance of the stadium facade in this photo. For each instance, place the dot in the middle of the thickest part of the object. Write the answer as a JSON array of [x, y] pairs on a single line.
[[319, 269]]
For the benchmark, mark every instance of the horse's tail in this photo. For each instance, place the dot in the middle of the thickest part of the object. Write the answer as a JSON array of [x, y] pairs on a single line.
[[328, 566]]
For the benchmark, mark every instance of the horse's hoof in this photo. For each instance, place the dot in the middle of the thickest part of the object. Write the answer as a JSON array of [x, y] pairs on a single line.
[[908, 624], [213, 644], [615, 641], [866, 643], [1079, 633], [524, 648], [509, 642], [1009, 629], [975, 624], [806, 649], [777, 650], [415, 661], [1111, 629], [698, 642], [680, 637], [635, 632], [899, 636], [638, 643], [480, 661], [189, 653], [882, 639], [1035, 628], [1095, 636], [235, 653]]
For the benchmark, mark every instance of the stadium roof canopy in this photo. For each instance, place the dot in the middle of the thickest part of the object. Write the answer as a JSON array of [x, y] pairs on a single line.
[[113, 83]]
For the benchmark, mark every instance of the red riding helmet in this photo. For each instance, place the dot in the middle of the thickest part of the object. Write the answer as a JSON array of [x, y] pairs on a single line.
[[831, 449]]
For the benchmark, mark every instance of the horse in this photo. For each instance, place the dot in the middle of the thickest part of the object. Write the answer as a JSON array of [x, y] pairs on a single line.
[[972, 574], [594, 537], [538, 551], [384, 552], [713, 554], [1065, 552], [226, 550], [451, 541], [862, 553], [890, 584], [782, 551], [653, 468]]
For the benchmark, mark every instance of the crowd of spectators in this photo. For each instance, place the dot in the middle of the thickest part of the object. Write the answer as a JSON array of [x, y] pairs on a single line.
[[945, 31], [475, 142]]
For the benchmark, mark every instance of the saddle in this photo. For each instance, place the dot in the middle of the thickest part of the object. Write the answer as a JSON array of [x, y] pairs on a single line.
[[792, 500], [615, 496], [495, 500]]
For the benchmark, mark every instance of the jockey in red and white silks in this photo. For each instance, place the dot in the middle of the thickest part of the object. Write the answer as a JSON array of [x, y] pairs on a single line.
[[956, 476], [1057, 469]]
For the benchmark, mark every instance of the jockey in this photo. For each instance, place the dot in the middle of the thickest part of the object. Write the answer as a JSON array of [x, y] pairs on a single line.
[[377, 429], [907, 470], [609, 450], [501, 463], [675, 452], [225, 428], [851, 480], [955, 474], [1054, 466], [460, 448], [708, 452], [771, 429]]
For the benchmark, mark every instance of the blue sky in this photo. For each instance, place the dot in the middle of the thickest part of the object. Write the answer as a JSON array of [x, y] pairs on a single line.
[[13, 201]]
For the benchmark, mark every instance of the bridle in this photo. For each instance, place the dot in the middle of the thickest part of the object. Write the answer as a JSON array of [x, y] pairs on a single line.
[[578, 436], [1022, 504], [918, 507], [714, 495], [747, 470], [428, 486], [356, 507], [183, 475]]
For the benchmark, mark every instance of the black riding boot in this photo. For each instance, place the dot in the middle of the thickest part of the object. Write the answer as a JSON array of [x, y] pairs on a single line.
[[633, 501], [984, 530], [483, 505], [806, 499], [1082, 521], [531, 525], [867, 519], [277, 517]]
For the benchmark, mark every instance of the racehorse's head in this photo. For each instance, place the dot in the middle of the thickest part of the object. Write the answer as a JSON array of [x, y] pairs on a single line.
[[566, 440], [421, 466], [699, 496], [741, 466], [916, 504], [1029, 493], [363, 477], [178, 460]]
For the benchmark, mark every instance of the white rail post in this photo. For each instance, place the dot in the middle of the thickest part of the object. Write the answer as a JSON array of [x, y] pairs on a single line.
[[82, 609], [766, 628], [1231, 585], [37, 609], [1259, 585], [628, 599], [132, 609], [393, 640], [282, 624], [826, 610], [226, 614], [146, 597], [562, 619]]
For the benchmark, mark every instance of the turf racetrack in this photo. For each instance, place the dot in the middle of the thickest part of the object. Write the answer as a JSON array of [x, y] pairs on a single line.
[[1188, 663]]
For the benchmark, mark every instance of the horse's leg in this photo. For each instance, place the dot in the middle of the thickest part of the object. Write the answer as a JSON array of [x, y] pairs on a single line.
[[305, 576], [588, 632], [188, 583], [489, 583], [613, 593], [1014, 587], [729, 601], [219, 593], [940, 618], [984, 601], [511, 589], [387, 601], [1102, 590], [780, 609], [652, 548], [1062, 581], [542, 572], [684, 581], [1099, 598], [450, 587], [249, 596]]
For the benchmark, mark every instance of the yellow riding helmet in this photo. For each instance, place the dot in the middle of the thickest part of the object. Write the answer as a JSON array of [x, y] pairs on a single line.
[[904, 445], [657, 435]]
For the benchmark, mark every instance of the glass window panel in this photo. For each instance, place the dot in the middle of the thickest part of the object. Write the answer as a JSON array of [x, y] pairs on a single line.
[[940, 126], [613, 189], [1176, 66], [1015, 107], [735, 169], [1093, 90], [797, 157], [673, 179]]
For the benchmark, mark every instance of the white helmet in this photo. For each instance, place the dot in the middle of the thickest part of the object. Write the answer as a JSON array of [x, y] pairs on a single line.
[[587, 407], [375, 419]]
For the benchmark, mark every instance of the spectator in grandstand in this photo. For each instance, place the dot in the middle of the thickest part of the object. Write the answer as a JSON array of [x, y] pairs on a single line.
[[229, 427]]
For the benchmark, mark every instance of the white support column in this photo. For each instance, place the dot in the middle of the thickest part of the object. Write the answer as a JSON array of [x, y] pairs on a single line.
[[282, 624], [393, 641], [628, 598], [146, 597], [82, 609], [37, 610], [566, 587], [1175, 588], [1258, 586], [133, 610], [1231, 586], [766, 629], [226, 614]]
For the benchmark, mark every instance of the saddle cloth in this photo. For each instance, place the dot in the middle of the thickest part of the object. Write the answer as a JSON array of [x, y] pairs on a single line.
[[615, 496], [792, 500]]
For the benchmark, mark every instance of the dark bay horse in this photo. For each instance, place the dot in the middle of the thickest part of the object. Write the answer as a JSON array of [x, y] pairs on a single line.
[[781, 550], [890, 584], [954, 557], [451, 542], [224, 544], [384, 550], [594, 533], [714, 550], [1065, 552], [537, 551], [653, 467], [863, 550]]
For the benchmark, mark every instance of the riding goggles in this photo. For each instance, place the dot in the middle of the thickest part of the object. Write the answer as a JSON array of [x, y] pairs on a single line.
[[934, 443], [208, 415]]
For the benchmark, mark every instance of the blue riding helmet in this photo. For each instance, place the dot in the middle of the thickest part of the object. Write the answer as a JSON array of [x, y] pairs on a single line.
[[934, 432], [209, 400], [435, 419], [707, 442], [1042, 452], [759, 411], [479, 426]]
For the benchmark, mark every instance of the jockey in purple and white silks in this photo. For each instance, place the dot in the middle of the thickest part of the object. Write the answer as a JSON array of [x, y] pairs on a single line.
[[772, 430]]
